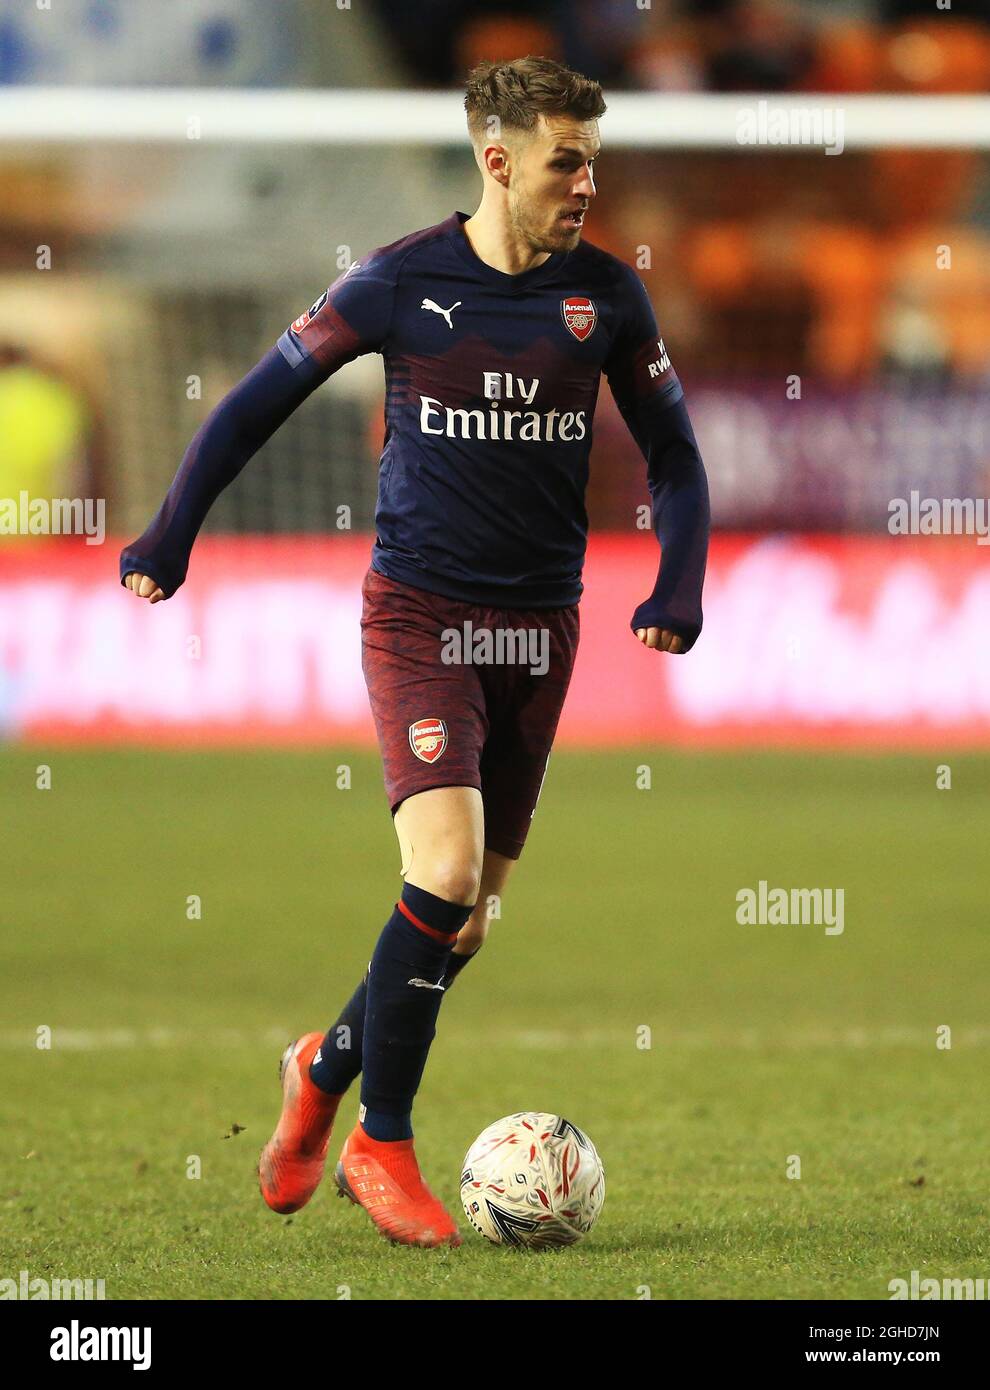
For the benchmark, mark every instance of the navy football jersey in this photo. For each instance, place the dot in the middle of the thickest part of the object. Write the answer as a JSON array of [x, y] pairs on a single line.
[[491, 384]]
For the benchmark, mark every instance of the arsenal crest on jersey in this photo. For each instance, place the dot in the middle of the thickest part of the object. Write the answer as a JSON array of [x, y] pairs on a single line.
[[580, 315], [428, 739]]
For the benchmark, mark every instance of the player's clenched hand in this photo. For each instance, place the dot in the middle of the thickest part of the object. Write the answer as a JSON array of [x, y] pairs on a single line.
[[144, 586], [660, 639]]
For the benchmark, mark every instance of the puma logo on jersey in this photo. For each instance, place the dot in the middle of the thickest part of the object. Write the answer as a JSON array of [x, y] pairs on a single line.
[[424, 984], [662, 364], [435, 309]]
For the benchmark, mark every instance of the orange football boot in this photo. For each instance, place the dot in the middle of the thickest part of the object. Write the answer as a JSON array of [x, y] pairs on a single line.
[[384, 1178], [292, 1162]]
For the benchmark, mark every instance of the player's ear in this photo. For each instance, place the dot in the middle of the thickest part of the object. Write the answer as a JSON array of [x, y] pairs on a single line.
[[496, 162]]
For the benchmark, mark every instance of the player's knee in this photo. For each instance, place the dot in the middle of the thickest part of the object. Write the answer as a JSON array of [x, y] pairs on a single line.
[[456, 880]]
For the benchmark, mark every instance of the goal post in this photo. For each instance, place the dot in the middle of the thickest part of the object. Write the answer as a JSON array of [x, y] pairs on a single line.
[[635, 120]]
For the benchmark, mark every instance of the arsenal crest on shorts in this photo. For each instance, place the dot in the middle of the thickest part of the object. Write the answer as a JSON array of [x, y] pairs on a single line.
[[428, 739], [580, 315]]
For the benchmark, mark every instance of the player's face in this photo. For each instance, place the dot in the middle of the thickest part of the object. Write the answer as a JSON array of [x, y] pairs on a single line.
[[553, 184]]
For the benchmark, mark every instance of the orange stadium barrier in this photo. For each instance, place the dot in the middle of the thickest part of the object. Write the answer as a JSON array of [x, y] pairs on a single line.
[[841, 640]]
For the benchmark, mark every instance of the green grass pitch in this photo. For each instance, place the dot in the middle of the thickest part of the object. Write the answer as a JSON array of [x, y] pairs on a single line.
[[766, 1041]]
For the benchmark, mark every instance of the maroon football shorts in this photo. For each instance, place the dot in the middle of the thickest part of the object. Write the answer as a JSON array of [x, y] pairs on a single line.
[[478, 719]]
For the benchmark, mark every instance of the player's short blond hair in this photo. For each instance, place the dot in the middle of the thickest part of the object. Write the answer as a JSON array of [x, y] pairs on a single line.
[[519, 92]]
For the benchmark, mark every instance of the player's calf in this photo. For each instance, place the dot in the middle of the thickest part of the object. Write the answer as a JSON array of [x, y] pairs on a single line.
[[470, 940]]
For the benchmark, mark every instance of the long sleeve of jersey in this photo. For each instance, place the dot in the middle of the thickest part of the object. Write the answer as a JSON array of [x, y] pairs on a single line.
[[651, 400], [315, 345]]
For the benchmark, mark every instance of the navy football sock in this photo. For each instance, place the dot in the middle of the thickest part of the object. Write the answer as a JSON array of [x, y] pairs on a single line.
[[456, 964], [405, 990], [338, 1058]]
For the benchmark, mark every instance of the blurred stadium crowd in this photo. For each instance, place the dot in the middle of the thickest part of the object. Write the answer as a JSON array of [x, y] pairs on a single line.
[[668, 45], [173, 263]]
